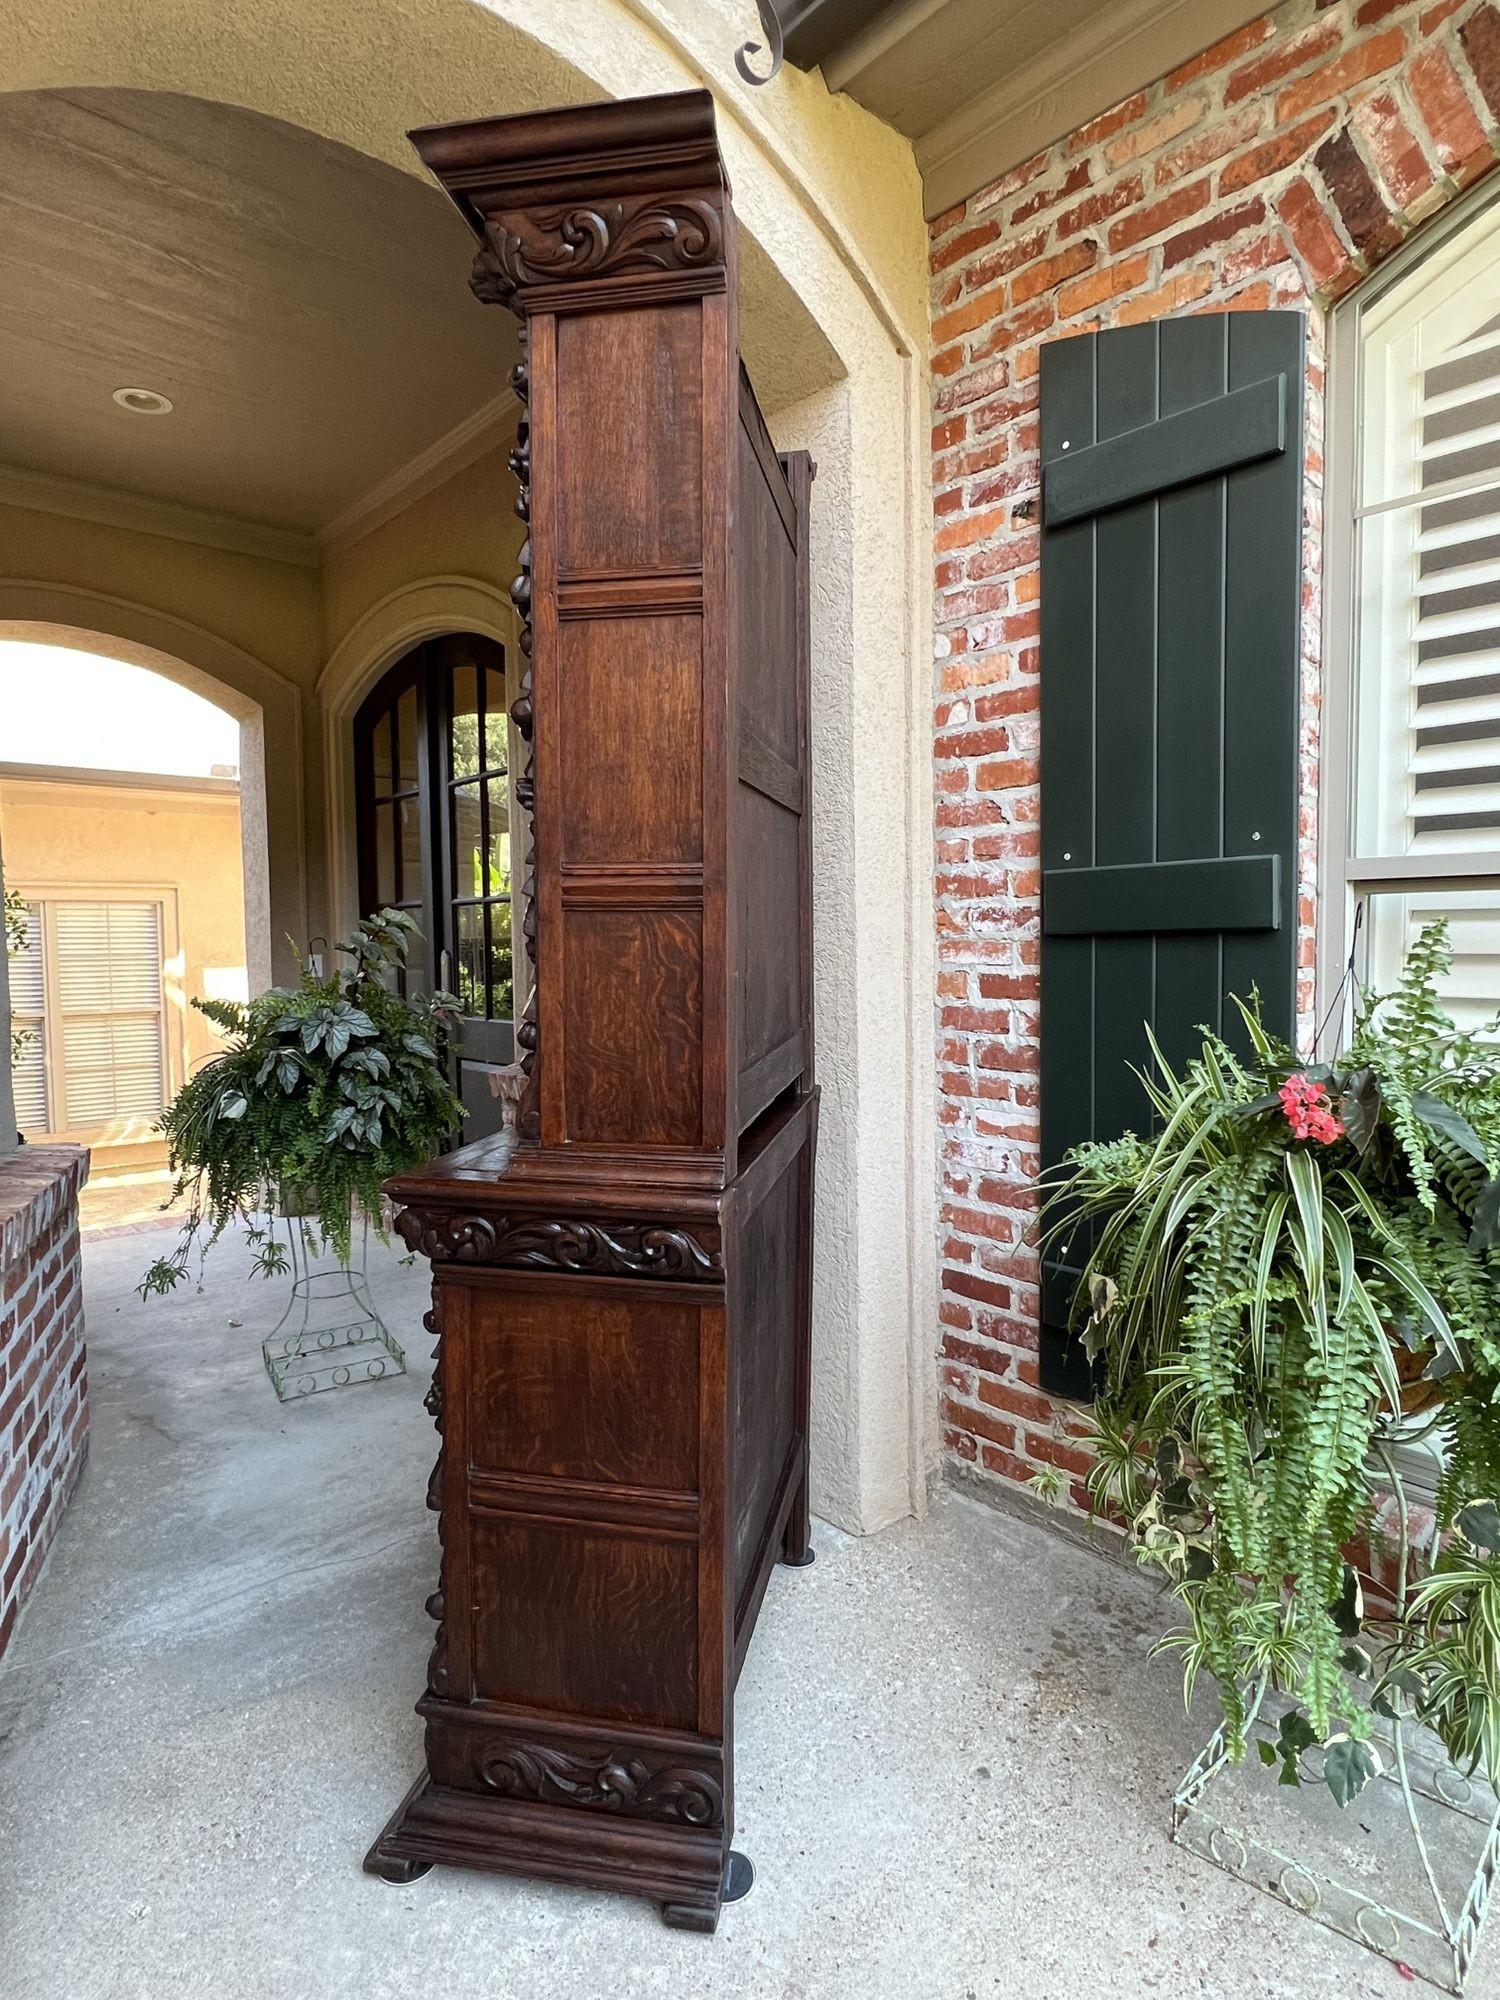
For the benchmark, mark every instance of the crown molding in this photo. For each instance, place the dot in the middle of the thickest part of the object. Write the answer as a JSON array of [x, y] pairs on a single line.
[[482, 431], [1120, 50], [113, 507]]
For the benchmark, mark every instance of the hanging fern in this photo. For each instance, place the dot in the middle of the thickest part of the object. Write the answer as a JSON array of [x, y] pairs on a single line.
[[1292, 1259], [323, 1091]]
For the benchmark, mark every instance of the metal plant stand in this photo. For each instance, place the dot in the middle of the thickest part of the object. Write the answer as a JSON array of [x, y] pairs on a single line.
[[330, 1335], [1453, 1819]]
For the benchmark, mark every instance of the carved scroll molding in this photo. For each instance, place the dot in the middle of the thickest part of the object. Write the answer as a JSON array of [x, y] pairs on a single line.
[[603, 239], [609, 1780], [437, 1663], [620, 1249]]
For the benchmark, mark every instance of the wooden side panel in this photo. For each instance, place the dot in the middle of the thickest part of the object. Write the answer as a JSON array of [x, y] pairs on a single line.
[[632, 1026], [600, 1390], [629, 413], [585, 1623], [631, 699], [578, 1408], [770, 934], [621, 715]]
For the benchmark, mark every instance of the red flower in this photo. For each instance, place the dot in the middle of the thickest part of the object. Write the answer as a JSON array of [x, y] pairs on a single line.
[[1309, 1111]]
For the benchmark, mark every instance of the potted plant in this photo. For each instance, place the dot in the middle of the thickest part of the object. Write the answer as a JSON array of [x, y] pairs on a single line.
[[1294, 1257], [322, 1091]]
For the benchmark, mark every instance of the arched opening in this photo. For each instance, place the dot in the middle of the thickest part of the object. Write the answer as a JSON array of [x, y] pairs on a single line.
[[120, 828]]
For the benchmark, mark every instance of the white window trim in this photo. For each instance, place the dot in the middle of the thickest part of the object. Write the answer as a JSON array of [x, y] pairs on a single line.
[[1342, 875], [118, 1131]]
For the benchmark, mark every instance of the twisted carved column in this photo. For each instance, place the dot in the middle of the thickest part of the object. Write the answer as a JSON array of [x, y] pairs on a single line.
[[529, 1121]]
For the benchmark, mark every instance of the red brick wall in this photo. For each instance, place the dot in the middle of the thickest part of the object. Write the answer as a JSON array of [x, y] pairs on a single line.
[[1275, 169], [43, 1387]]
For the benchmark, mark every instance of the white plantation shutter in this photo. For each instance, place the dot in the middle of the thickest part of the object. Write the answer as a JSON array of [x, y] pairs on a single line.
[[1425, 735], [109, 1011], [1455, 722], [28, 1007]]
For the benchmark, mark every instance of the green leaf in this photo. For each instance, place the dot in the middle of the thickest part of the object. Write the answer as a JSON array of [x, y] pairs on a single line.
[[233, 1105], [1479, 1523], [1267, 1751], [1295, 1732], [1359, 1107], [1348, 1767], [1440, 1117], [1486, 1217], [1348, 1609]]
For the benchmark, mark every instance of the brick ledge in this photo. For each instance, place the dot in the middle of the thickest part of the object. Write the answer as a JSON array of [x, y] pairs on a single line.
[[37, 1183]]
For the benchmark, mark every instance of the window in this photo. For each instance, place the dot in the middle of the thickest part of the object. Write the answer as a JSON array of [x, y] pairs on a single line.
[[1411, 800], [86, 995]]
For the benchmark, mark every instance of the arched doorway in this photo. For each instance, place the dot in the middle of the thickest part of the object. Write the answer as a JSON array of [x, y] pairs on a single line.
[[436, 825], [120, 817]]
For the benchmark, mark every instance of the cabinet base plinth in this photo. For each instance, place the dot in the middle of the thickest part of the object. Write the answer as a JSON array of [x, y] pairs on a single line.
[[685, 1870]]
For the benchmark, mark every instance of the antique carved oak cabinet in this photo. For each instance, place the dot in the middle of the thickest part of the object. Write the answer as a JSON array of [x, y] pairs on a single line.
[[621, 1287]]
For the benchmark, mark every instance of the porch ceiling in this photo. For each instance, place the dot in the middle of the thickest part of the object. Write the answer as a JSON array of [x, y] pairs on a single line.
[[303, 306], [979, 85]]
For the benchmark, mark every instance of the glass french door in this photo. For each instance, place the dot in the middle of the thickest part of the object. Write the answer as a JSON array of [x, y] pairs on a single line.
[[433, 810]]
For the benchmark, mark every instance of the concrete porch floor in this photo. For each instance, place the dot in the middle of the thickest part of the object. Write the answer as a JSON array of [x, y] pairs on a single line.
[[953, 1768]]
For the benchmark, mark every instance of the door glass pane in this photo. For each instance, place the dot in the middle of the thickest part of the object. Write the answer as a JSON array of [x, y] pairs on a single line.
[[382, 768], [502, 994], [469, 964], [467, 841], [496, 726], [406, 740], [411, 849], [385, 854], [497, 873], [465, 726]]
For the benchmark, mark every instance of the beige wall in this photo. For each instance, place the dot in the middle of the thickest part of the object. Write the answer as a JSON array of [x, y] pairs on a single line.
[[465, 527], [167, 841]]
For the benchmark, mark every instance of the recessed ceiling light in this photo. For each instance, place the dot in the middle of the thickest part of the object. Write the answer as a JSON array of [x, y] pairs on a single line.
[[143, 402]]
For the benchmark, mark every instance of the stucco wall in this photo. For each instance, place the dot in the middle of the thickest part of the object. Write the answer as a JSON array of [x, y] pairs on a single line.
[[122, 838]]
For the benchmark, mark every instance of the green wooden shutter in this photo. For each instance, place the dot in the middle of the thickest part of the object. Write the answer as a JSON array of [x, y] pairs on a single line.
[[1171, 598]]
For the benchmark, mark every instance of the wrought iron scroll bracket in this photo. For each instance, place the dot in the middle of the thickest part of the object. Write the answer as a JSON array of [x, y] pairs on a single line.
[[771, 29]]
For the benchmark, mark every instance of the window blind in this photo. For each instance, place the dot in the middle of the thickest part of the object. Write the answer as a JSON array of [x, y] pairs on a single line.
[[109, 1008], [1424, 770], [1455, 722]]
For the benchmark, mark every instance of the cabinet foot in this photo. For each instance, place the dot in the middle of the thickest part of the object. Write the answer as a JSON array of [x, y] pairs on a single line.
[[393, 1870], [799, 1561], [739, 1874]]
